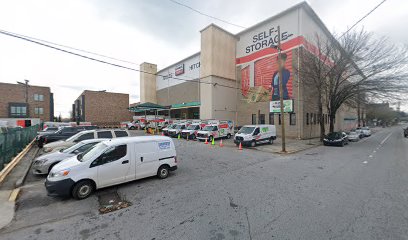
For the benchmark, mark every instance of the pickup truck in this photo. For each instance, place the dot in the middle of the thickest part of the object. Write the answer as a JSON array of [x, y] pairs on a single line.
[[61, 134]]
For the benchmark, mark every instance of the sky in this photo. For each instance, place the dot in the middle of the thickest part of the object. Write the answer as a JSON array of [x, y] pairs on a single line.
[[155, 31]]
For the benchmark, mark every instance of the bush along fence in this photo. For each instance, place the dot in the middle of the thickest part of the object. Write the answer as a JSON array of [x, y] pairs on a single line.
[[13, 140]]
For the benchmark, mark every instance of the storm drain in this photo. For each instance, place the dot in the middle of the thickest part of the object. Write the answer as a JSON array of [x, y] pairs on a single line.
[[111, 201]]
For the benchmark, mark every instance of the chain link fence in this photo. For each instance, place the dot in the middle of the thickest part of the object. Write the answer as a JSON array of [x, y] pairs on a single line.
[[13, 140]]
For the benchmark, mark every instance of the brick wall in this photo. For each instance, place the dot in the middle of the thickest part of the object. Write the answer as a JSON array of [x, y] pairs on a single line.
[[15, 93]]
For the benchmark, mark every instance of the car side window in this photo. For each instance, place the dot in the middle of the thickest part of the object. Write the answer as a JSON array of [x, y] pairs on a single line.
[[215, 128], [105, 134], [256, 132], [110, 155], [85, 137], [121, 133]]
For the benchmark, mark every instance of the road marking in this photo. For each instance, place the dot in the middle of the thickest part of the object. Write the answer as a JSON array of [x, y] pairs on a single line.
[[365, 162], [370, 156], [385, 139]]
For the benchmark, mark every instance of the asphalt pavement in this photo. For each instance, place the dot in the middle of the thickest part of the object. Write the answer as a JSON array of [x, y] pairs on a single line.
[[359, 191]]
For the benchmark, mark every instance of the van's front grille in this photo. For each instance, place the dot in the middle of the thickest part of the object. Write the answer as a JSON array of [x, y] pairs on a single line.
[[239, 138], [202, 135]]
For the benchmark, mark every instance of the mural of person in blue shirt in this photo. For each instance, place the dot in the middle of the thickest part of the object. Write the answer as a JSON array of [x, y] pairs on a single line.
[[275, 79]]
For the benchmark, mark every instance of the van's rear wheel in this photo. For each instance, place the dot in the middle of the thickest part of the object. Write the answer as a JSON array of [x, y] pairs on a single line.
[[228, 136], [253, 143], [163, 172], [82, 190], [270, 140]]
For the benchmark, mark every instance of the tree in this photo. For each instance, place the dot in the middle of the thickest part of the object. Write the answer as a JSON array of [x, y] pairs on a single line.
[[357, 66]]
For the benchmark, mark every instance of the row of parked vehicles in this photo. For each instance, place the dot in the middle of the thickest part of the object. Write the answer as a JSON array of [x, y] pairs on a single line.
[[93, 159], [343, 138]]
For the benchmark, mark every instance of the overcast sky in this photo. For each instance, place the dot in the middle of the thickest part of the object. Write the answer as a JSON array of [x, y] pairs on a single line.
[[155, 31]]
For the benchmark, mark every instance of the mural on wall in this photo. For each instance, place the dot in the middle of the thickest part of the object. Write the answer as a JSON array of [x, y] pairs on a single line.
[[260, 78]]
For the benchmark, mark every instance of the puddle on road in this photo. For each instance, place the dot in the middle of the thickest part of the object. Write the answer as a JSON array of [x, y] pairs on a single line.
[[111, 201]]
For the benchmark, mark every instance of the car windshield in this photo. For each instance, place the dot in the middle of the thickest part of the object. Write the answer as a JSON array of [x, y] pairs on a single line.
[[51, 129], [179, 126], [192, 127], [91, 152], [353, 133], [208, 128], [246, 130], [72, 148], [72, 138], [334, 135]]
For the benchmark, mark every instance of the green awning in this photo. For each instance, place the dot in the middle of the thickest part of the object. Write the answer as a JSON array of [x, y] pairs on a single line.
[[147, 106], [185, 105]]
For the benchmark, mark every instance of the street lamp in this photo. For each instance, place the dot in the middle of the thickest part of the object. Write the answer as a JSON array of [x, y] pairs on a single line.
[[278, 47]]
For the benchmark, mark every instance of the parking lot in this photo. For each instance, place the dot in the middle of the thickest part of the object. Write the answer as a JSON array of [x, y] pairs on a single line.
[[225, 193]]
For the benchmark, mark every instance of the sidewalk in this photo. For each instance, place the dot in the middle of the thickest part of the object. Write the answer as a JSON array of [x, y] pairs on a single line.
[[292, 145], [9, 188]]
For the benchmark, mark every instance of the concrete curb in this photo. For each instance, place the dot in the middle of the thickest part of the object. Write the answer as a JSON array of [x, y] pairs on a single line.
[[9, 167], [21, 180]]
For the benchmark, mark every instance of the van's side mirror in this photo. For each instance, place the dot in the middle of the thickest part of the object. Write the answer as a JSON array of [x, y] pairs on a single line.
[[79, 156]]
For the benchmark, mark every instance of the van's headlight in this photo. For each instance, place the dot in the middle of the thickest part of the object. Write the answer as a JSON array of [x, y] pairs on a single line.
[[59, 174]]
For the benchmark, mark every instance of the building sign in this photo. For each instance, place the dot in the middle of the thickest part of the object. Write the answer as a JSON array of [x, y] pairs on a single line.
[[179, 69], [274, 106], [188, 69]]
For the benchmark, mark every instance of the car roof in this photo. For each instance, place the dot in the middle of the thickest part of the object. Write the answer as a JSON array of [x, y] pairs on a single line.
[[125, 140], [94, 140]]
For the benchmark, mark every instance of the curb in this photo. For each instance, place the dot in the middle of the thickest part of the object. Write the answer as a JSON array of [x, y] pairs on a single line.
[[21, 180], [9, 167], [14, 195]]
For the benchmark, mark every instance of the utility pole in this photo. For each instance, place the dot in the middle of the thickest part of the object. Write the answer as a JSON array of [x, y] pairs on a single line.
[[26, 89], [282, 110]]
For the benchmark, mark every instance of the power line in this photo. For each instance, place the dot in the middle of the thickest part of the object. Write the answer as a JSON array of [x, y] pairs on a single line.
[[205, 14], [73, 48], [361, 19]]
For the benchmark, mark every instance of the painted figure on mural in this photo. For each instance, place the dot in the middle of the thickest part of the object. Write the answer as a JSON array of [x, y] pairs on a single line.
[[275, 79]]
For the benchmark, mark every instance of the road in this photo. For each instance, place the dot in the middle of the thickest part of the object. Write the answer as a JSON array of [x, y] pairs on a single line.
[[359, 191]]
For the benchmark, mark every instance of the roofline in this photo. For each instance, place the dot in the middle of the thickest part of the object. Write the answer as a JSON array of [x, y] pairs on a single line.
[[222, 29], [182, 60], [16, 84], [280, 14]]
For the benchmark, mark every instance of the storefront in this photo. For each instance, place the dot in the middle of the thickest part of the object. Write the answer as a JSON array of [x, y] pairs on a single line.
[[235, 76]]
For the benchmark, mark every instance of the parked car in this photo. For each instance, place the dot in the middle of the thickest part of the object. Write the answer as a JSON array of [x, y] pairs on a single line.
[[354, 136], [222, 129], [44, 163], [250, 135], [366, 131], [47, 130], [177, 129], [62, 134], [336, 139], [166, 129], [83, 135], [191, 131], [406, 132], [112, 162]]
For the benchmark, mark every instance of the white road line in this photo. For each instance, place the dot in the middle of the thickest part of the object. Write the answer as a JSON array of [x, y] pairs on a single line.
[[365, 162], [385, 139]]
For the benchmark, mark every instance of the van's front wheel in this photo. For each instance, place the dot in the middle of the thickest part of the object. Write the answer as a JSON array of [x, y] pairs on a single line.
[[163, 172], [82, 190]]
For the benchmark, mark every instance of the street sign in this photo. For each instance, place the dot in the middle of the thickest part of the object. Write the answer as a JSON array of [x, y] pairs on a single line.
[[274, 106]]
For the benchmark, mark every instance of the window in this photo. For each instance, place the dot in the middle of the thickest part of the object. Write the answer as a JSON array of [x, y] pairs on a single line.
[[110, 155], [280, 119], [121, 133], [39, 110], [215, 128], [84, 147], [307, 118], [85, 137], [314, 118], [261, 118], [18, 110], [38, 97], [318, 118], [271, 119], [105, 134], [253, 118], [292, 118], [256, 132]]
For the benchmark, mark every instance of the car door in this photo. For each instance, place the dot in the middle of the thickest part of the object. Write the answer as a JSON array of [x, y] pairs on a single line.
[[147, 161], [112, 165]]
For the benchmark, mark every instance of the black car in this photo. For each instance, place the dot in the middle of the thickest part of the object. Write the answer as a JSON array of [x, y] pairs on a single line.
[[336, 139], [61, 134]]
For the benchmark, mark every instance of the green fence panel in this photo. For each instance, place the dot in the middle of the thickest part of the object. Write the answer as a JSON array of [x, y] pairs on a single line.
[[14, 141]]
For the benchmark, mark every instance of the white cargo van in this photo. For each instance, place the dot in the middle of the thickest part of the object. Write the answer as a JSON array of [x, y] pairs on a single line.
[[250, 135], [216, 129], [112, 162]]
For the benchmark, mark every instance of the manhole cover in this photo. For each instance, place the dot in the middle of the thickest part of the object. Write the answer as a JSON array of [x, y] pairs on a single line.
[[111, 201]]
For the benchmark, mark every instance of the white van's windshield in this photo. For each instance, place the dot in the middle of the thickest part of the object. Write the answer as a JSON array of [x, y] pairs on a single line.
[[208, 128], [90, 153], [192, 127], [179, 126], [246, 130]]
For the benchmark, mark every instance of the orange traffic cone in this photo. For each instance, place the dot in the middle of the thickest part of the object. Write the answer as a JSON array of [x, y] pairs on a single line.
[[206, 141], [240, 146], [162, 134], [221, 144]]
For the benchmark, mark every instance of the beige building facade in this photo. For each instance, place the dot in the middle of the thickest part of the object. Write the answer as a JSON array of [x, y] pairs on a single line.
[[235, 77]]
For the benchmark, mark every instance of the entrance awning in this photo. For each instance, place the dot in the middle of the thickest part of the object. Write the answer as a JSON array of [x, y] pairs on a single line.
[[185, 105], [147, 106]]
